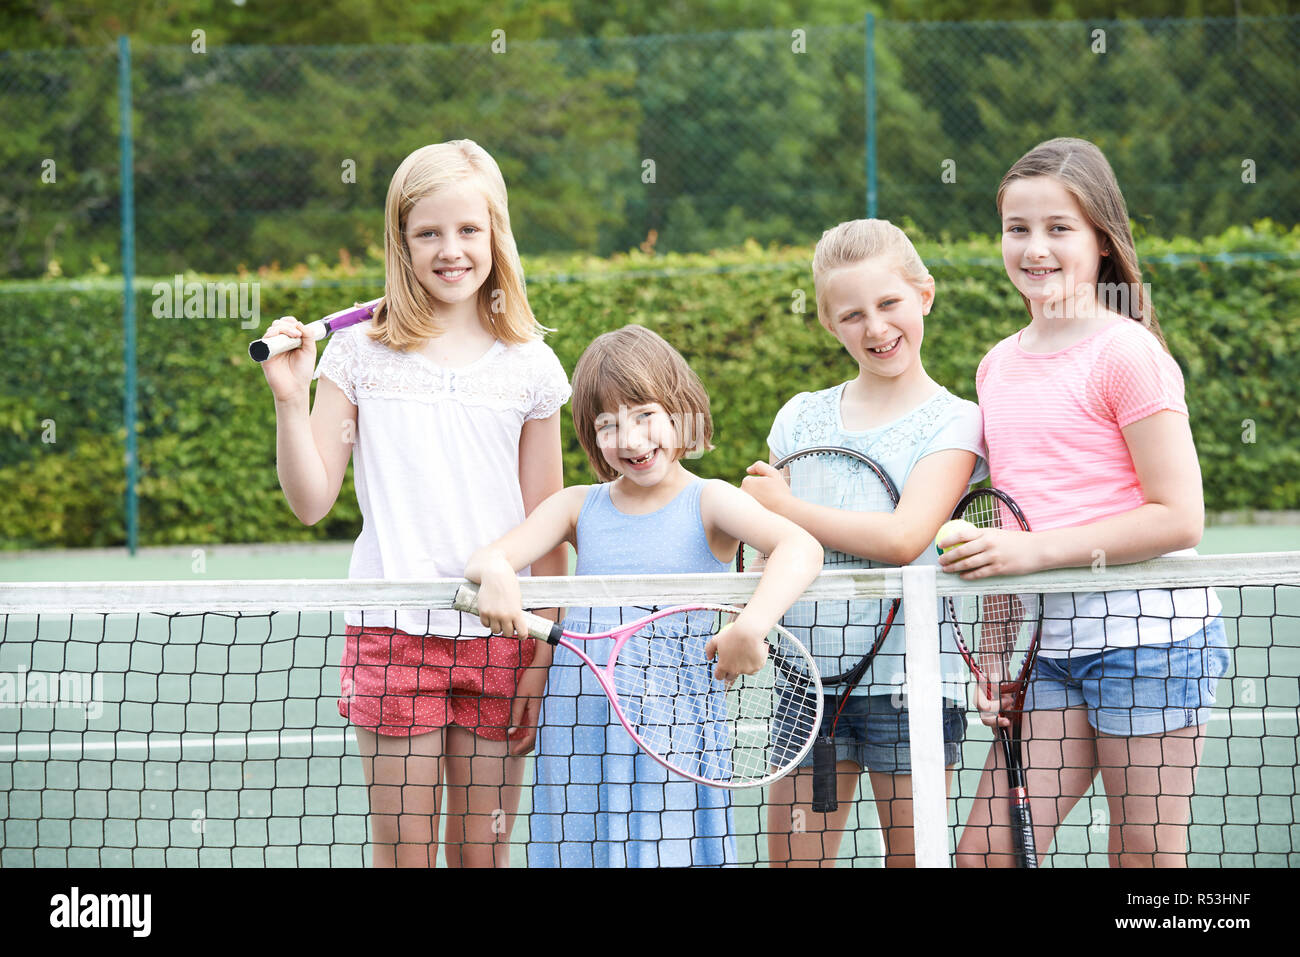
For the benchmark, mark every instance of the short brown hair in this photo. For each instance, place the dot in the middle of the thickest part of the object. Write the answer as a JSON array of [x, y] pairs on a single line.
[[631, 366], [1083, 170]]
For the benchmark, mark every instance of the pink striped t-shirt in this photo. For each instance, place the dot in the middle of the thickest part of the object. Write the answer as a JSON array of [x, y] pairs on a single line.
[[1052, 421]]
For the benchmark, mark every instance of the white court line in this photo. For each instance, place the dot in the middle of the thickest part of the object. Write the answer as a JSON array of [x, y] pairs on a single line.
[[1250, 715], [206, 744], [211, 744]]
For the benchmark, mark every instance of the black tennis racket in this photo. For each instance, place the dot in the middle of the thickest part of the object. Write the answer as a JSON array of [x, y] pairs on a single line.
[[843, 636], [998, 636]]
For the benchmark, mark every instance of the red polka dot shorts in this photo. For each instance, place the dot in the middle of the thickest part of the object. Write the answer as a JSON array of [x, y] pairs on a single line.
[[398, 684]]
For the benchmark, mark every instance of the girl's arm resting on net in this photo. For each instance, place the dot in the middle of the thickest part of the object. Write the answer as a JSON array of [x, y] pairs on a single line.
[[312, 451], [794, 560], [933, 488], [548, 526], [1173, 517]]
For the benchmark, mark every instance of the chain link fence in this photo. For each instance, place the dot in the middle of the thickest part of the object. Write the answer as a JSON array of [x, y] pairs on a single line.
[[248, 156]]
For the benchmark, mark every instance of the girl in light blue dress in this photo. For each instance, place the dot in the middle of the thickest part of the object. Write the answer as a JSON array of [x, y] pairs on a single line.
[[598, 801]]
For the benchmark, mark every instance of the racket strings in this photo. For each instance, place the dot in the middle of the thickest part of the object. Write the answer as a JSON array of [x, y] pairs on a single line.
[[839, 633], [998, 629], [698, 725]]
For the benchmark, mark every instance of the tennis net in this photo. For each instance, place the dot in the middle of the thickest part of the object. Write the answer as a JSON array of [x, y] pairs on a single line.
[[193, 724]]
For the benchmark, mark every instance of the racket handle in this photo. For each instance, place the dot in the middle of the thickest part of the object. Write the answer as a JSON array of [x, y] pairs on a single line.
[[824, 796], [259, 350], [542, 629], [1022, 830]]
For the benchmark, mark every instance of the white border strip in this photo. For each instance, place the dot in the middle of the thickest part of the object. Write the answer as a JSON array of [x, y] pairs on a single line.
[[260, 597]]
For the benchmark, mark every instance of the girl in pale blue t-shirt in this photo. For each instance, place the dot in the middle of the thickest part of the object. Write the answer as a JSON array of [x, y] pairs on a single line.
[[873, 292]]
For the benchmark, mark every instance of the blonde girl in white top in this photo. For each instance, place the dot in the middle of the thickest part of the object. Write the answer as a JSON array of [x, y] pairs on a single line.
[[447, 404]]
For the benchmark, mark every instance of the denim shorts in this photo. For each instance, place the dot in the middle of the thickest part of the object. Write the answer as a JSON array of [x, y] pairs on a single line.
[[872, 732], [1149, 689]]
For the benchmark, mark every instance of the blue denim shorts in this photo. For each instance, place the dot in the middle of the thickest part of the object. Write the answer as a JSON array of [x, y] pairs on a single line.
[[872, 732], [1150, 689]]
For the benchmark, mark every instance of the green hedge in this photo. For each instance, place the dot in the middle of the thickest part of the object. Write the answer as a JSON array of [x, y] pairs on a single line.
[[207, 429]]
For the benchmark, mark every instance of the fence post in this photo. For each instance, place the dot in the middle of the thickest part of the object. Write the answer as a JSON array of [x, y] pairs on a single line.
[[869, 94], [128, 286]]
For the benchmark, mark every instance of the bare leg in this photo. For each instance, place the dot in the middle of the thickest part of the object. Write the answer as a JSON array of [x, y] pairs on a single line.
[[483, 789], [798, 836], [402, 775], [1149, 780], [893, 794], [1060, 759]]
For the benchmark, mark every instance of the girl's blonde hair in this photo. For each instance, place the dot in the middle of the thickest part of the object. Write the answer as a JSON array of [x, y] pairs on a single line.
[[1082, 169], [408, 314], [857, 241], [629, 367]]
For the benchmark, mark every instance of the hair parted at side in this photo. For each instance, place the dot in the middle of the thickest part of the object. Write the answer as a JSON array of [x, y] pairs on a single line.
[[409, 315], [857, 241], [1084, 171], [631, 366]]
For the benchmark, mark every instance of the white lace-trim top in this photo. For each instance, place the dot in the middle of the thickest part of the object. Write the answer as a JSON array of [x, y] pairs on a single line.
[[436, 459]]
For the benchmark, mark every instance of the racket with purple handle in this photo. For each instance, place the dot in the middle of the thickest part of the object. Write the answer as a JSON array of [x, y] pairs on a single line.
[[262, 349]]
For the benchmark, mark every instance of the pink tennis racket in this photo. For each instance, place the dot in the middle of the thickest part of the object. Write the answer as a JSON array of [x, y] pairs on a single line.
[[662, 690], [262, 349]]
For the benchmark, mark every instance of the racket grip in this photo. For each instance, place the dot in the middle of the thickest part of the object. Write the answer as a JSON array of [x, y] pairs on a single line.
[[824, 796], [259, 350], [1022, 827], [542, 629]]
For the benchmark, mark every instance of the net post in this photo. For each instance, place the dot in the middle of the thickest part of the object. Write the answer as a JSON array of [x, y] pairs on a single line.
[[924, 705]]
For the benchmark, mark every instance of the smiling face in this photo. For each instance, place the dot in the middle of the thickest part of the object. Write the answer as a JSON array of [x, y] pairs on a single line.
[[1049, 248], [638, 442], [876, 314], [449, 236]]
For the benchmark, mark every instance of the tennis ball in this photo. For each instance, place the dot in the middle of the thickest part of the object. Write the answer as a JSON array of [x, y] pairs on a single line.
[[960, 529]]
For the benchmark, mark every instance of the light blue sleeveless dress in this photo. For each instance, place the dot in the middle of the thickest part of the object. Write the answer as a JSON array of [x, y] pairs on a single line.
[[598, 801]]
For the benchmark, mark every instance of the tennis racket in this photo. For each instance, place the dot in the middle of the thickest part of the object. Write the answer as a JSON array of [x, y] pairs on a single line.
[[262, 349], [844, 636], [998, 636], [743, 735]]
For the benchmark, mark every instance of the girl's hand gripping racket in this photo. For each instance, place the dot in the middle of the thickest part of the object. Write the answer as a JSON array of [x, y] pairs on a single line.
[[844, 636], [262, 349], [998, 636], [742, 735]]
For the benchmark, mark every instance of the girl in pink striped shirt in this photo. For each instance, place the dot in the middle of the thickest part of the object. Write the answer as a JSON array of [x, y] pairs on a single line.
[[1087, 430]]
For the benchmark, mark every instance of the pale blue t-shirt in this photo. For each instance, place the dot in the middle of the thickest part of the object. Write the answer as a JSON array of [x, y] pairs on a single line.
[[941, 422]]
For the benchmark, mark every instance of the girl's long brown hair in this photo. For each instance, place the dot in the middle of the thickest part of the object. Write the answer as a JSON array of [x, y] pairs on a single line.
[[1081, 168]]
